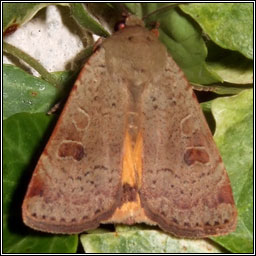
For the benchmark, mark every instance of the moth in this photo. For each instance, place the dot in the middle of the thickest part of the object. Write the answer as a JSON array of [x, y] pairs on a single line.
[[131, 145]]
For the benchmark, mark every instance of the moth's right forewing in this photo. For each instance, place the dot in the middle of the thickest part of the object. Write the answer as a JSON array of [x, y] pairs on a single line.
[[185, 187], [77, 181]]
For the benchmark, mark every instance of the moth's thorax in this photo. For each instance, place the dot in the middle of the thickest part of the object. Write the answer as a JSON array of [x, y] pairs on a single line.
[[135, 54]]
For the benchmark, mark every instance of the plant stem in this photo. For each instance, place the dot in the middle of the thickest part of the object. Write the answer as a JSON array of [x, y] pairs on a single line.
[[161, 9], [50, 78]]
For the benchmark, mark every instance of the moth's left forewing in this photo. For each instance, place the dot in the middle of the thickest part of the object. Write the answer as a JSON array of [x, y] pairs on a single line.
[[77, 181]]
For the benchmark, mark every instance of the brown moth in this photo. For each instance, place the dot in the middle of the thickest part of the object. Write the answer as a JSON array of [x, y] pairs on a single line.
[[131, 145]]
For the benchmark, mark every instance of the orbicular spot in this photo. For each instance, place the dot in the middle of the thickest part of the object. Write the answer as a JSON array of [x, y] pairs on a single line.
[[81, 119], [193, 155], [72, 149], [187, 125]]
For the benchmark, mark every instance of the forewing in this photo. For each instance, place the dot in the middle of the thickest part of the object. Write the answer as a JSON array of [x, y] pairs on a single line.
[[77, 180], [184, 187]]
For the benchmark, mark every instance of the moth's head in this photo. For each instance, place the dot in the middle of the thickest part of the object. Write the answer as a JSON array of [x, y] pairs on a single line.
[[135, 53], [133, 20], [129, 21]]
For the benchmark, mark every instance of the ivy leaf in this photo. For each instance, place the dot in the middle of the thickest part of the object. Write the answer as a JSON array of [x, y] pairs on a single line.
[[233, 68], [144, 241], [135, 8], [16, 14], [85, 20], [23, 92], [234, 137], [230, 25]]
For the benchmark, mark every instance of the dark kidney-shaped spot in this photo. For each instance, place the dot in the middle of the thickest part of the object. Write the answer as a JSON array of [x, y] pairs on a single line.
[[72, 149], [194, 154]]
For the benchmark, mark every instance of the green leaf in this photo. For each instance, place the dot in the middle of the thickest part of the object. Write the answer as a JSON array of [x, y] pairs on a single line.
[[25, 93], [234, 137], [22, 137], [125, 228], [134, 8], [144, 241], [85, 20], [16, 14], [99, 230], [230, 25], [233, 69], [184, 41], [28, 241], [108, 14]]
